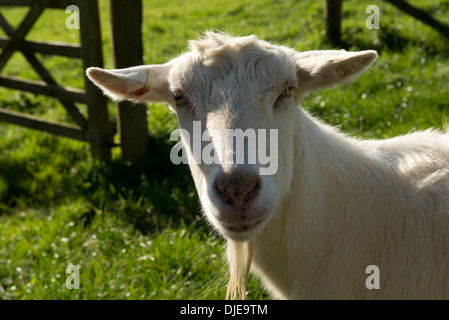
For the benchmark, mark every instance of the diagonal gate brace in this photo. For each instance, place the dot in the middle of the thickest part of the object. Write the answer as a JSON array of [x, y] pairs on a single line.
[[15, 43]]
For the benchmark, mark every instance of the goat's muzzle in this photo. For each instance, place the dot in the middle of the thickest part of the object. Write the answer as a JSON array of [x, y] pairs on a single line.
[[236, 194]]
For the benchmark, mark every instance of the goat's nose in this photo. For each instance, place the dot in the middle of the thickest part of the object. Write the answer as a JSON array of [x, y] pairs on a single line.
[[236, 188]]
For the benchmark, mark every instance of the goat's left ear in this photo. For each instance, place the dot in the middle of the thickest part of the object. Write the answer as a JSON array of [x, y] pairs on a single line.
[[325, 68], [139, 84]]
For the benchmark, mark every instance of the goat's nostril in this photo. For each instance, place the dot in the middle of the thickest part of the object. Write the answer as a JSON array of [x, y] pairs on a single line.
[[237, 187], [253, 190]]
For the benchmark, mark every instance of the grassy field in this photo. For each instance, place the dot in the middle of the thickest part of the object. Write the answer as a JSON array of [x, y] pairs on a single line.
[[137, 232]]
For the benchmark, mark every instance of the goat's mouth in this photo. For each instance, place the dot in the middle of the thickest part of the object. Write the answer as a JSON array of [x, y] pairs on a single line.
[[243, 227]]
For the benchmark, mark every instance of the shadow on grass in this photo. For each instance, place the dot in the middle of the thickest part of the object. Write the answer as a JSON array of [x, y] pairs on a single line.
[[148, 195], [388, 38]]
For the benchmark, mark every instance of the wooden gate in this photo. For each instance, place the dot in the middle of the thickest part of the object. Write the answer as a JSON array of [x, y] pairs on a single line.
[[96, 129]]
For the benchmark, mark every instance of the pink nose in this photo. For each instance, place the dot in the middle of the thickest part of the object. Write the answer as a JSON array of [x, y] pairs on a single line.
[[237, 188]]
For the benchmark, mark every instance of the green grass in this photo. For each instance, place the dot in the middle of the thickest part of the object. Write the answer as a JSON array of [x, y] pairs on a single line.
[[137, 232]]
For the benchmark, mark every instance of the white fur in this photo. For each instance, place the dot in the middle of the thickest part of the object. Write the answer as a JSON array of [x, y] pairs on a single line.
[[337, 204]]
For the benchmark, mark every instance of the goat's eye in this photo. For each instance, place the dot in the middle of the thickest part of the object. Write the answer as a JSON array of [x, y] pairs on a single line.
[[180, 100], [289, 91], [286, 93]]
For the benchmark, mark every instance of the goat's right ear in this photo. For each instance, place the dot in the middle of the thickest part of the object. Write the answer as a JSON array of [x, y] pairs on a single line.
[[139, 84], [326, 68]]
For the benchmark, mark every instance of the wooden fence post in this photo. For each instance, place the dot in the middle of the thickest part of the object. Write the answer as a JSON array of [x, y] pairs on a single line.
[[99, 132], [126, 23], [332, 15]]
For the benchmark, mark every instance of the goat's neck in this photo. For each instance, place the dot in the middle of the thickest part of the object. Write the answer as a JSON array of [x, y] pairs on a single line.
[[298, 236]]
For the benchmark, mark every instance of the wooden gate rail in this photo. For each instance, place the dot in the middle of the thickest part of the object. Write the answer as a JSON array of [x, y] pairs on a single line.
[[32, 122], [55, 48], [39, 87]]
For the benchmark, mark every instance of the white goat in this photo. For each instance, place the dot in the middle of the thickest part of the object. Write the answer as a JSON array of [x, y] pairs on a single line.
[[336, 204]]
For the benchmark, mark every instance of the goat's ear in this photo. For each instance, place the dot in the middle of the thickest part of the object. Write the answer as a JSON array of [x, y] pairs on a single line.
[[139, 84], [325, 68]]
